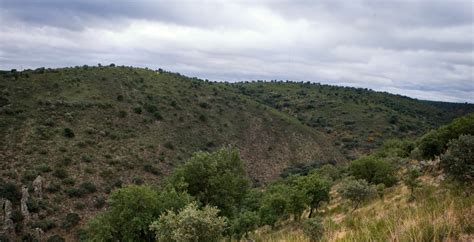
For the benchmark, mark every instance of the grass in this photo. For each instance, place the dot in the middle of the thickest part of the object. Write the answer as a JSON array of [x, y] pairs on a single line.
[[438, 213]]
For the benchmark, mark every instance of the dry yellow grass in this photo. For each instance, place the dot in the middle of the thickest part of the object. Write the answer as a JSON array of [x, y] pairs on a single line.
[[437, 214]]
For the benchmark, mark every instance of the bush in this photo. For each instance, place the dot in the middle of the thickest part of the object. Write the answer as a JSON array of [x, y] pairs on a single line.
[[411, 180], [435, 142], [88, 187], [71, 220], [313, 228], [68, 133], [458, 161], [60, 173], [356, 191], [10, 191], [190, 224], [373, 170], [74, 192], [44, 225]]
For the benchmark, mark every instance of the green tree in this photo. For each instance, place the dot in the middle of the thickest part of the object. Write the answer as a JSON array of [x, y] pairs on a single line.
[[216, 178], [275, 204], [243, 223], [458, 161], [373, 170], [190, 224], [356, 191], [131, 210], [315, 190]]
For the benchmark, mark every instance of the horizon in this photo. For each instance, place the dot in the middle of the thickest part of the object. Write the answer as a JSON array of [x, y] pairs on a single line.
[[240, 81], [419, 49]]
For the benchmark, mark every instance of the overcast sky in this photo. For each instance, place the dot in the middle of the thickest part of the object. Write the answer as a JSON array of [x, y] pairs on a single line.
[[422, 49]]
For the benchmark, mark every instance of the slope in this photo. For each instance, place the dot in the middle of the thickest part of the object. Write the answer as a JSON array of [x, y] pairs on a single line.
[[358, 119]]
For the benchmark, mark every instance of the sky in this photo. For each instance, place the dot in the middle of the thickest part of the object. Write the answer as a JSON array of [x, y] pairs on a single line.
[[418, 48]]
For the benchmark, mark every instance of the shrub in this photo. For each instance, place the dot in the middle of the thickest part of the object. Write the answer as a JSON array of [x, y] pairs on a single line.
[[74, 192], [68, 133], [71, 220], [157, 115], [10, 191], [458, 161], [373, 170], [137, 110], [356, 191], [44, 225], [60, 173], [182, 226], [88, 187], [411, 180], [313, 228]]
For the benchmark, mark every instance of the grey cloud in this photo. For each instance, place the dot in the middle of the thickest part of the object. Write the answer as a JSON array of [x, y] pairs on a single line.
[[423, 49]]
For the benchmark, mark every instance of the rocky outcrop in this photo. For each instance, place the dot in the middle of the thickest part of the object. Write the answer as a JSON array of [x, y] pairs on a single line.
[[23, 206], [38, 187], [8, 225]]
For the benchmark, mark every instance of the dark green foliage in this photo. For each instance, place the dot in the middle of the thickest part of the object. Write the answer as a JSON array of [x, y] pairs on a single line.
[[216, 178], [44, 225], [274, 206], [68, 133], [435, 142], [131, 210], [71, 220], [243, 223], [374, 170], [88, 187], [60, 173], [458, 161], [137, 110], [315, 190], [314, 228], [10, 191], [75, 192]]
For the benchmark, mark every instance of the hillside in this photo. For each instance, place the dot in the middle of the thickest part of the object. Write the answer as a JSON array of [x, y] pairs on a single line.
[[90, 130], [358, 119]]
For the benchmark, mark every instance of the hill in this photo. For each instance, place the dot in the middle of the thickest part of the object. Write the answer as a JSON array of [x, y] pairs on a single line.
[[89, 130], [358, 119]]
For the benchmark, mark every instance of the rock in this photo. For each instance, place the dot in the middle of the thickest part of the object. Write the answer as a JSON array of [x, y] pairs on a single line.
[[8, 225], [39, 234], [23, 206], [38, 187]]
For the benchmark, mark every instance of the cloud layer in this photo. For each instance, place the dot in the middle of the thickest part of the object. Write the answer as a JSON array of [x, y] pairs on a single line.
[[423, 49]]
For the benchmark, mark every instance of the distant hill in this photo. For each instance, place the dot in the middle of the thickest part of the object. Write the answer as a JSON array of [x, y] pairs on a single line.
[[87, 130], [358, 119]]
